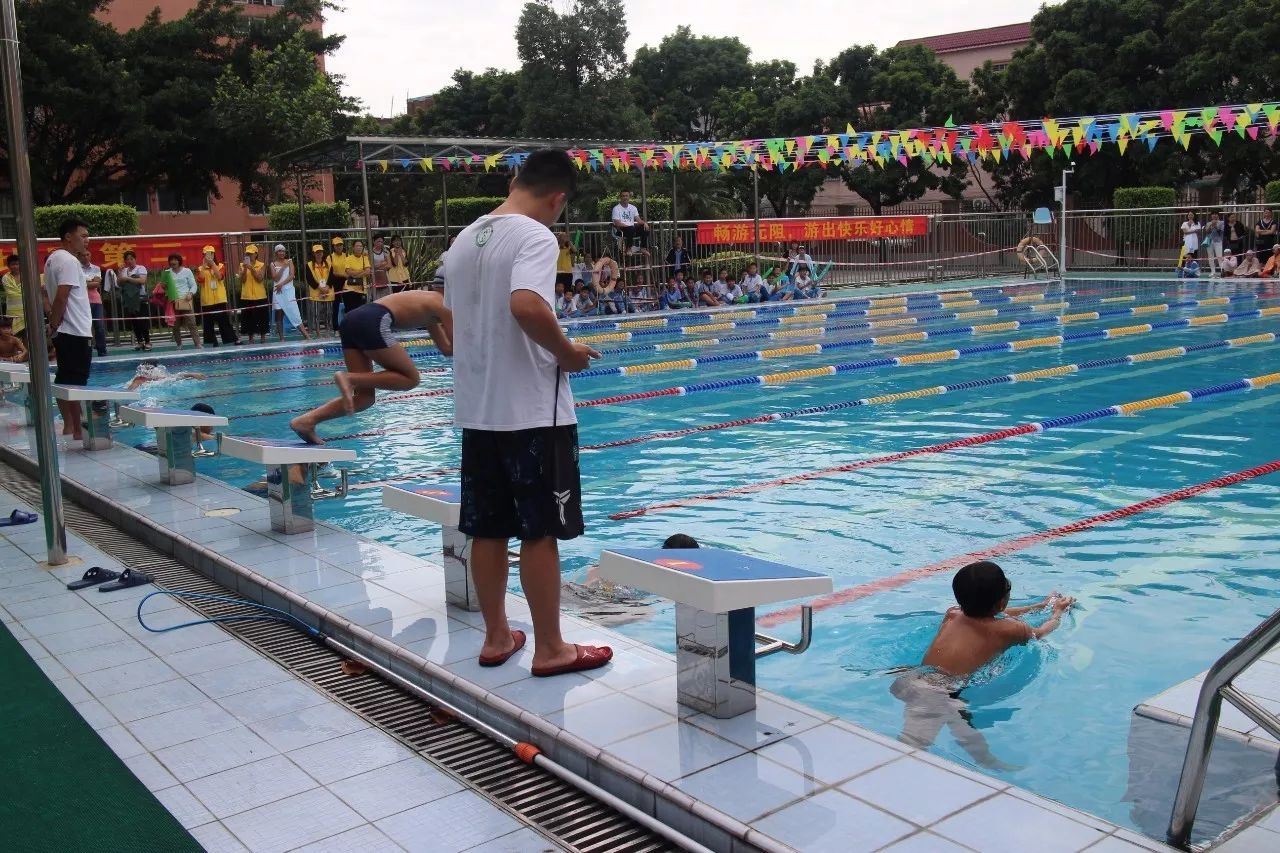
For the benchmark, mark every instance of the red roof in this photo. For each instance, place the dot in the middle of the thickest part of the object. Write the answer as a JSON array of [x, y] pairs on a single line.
[[970, 39]]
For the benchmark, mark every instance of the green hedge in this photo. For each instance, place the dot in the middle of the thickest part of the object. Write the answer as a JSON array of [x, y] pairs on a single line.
[[105, 220], [320, 217], [1272, 192], [659, 207], [1141, 231], [467, 209], [734, 262]]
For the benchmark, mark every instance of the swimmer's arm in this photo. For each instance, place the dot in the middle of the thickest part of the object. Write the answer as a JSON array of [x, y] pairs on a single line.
[[1029, 608], [441, 332]]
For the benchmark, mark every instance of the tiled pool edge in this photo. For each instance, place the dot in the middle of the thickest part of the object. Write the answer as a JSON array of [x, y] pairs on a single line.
[[650, 793], [704, 823]]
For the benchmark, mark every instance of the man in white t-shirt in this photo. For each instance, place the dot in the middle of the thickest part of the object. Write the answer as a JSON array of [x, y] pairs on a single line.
[[520, 475], [70, 320], [626, 219]]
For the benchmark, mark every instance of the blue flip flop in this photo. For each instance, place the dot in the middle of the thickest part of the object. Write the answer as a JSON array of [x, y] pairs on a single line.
[[18, 516], [128, 578]]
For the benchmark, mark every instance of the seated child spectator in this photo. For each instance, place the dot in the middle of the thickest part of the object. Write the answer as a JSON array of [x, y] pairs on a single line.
[[753, 285], [12, 349], [1229, 263], [603, 293], [805, 286], [1272, 269], [673, 295], [1190, 268], [1249, 267], [610, 603], [582, 305], [562, 300], [784, 289], [704, 292], [971, 636], [721, 288], [734, 294]]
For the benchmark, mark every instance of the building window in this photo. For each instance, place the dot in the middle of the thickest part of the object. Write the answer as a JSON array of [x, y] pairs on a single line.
[[138, 198], [999, 66], [179, 201]]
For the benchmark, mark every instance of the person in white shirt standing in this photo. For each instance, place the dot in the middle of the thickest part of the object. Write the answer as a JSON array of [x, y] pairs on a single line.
[[1190, 237], [520, 476], [626, 218], [70, 320]]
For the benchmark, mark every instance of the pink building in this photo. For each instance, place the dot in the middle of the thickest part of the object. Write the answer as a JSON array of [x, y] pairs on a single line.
[[965, 52]]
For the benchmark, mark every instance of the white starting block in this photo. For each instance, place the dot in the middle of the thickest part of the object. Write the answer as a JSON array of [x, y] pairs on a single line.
[[97, 420], [20, 375], [292, 476], [175, 442], [716, 593], [440, 502]]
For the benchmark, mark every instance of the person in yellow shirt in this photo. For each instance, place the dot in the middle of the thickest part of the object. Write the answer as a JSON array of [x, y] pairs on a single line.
[[212, 279], [564, 261], [320, 289], [359, 273], [255, 311], [11, 285], [337, 275], [398, 275]]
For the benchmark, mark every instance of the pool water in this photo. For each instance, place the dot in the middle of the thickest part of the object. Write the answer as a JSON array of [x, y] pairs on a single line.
[[1161, 593]]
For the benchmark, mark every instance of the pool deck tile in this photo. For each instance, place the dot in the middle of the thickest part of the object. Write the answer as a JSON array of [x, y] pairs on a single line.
[[786, 776]]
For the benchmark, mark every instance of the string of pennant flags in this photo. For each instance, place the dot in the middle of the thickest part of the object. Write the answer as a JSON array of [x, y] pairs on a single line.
[[997, 141]]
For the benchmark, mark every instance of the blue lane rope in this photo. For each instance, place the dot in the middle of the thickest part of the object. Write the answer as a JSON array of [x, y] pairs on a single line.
[[282, 617]]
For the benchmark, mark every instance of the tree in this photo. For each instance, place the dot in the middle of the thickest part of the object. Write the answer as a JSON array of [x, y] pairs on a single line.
[[109, 112], [486, 104], [901, 87], [677, 84], [570, 84]]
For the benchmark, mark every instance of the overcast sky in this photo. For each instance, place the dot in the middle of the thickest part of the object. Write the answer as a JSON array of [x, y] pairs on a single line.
[[399, 47]]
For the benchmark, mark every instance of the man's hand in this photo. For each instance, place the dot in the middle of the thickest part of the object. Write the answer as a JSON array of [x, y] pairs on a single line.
[[1063, 604], [577, 357]]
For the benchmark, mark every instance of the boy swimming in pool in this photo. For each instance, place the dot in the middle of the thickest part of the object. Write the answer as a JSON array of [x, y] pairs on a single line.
[[367, 339], [971, 636]]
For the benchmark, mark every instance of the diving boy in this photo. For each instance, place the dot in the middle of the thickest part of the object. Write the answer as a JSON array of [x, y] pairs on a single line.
[[367, 339]]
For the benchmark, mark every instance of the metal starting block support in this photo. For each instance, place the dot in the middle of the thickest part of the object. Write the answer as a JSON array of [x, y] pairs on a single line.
[[440, 503], [97, 418], [292, 476], [716, 593], [175, 442], [20, 375]]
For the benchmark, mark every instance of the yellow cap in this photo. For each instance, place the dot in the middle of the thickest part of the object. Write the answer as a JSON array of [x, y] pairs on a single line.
[[317, 248], [337, 241], [208, 249], [251, 249]]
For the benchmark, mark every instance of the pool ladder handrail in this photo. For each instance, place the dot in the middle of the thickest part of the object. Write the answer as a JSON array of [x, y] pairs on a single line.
[[1218, 685], [1044, 255]]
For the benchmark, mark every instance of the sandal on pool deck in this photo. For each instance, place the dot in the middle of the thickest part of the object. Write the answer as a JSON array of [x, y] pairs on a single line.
[[128, 578], [93, 577], [589, 657], [18, 516], [518, 638]]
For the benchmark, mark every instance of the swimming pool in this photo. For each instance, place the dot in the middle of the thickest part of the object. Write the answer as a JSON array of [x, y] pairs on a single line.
[[1162, 592]]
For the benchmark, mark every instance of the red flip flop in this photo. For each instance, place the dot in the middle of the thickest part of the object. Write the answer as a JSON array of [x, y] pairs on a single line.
[[589, 657], [518, 639]]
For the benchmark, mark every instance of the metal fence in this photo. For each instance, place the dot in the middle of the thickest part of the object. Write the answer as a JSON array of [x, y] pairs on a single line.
[[1148, 239]]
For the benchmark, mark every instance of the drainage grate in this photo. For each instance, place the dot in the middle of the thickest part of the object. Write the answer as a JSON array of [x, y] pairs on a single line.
[[557, 809]]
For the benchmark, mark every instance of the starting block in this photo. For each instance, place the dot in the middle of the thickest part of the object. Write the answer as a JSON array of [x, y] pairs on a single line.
[[20, 375], [441, 503], [716, 593], [97, 420], [175, 441], [292, 476]]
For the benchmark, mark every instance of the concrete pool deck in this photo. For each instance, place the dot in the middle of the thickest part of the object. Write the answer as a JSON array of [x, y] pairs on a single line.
[[786, 777]]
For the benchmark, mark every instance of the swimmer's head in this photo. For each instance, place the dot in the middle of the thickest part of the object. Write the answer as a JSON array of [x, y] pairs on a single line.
[[152, 370], [6, 325], [981, 589], [203, 408], [680, 540]]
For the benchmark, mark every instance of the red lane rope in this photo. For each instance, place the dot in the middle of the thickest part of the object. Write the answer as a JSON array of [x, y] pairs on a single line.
[[677, 433], [971, 441], [863, 590], [374, 433], [395, 398]]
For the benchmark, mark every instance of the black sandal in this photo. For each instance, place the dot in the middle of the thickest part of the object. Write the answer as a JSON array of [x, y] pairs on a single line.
[[93, 577], [128, 578]]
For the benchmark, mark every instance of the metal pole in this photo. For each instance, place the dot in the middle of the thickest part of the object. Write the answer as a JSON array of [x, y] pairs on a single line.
[[1062, 227], [444, 209], [644, 197], [55, 532], [675, 218], [755, 198], [368, 221]]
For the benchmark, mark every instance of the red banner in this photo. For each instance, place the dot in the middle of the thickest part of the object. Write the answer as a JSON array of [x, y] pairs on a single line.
[[153, 252], [812, 230]]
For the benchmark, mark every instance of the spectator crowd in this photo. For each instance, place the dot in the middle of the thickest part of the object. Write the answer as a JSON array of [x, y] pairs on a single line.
[[1228, 247]]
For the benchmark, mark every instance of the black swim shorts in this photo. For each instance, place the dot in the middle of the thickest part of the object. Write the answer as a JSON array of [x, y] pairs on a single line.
[[367, 328], [75, 354], [521, 485]]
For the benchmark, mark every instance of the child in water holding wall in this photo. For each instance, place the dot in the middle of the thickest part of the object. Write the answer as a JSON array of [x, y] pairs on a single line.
[[971, 636], [367, 339]]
